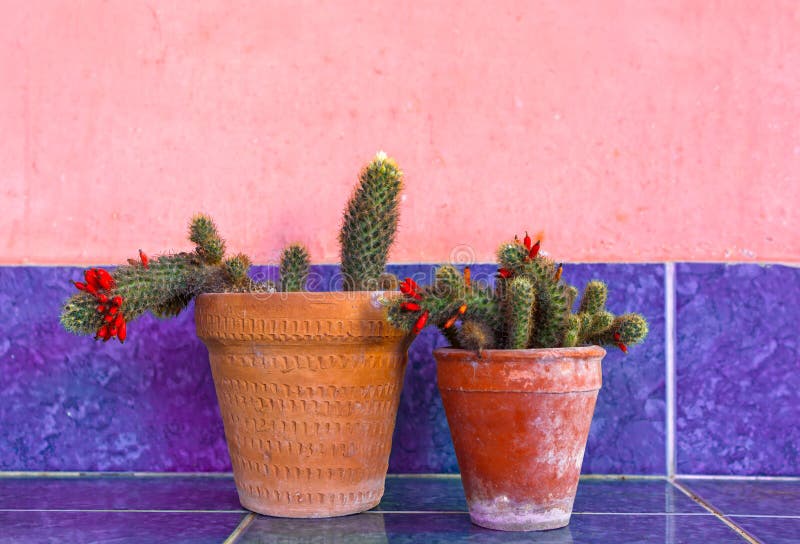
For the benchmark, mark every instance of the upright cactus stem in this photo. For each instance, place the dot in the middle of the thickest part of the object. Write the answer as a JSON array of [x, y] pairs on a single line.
[[519, 309], [209, 246], [594, 297], [370, 223], [295, 265]]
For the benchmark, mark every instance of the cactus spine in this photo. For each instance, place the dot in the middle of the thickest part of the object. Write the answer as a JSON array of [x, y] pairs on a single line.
[[370, 223]]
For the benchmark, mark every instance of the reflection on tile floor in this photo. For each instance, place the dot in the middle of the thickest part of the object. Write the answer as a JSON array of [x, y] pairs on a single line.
[[430, 528], [24, 527], [429, 509]]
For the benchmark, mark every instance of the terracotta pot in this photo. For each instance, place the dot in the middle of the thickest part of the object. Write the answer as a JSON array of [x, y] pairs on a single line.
[[519, 421], [308, 385]]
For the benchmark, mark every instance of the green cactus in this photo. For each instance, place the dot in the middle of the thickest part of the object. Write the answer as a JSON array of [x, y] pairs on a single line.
[[209, 246], [530, 306], [475, 336], [520, 304], [295, 265], [594, 297], [370, 223]]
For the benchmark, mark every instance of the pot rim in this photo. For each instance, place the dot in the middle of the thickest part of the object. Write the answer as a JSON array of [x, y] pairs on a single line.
[[579, 352]]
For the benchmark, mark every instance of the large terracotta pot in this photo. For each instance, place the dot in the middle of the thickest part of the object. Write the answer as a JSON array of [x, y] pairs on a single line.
[[519, 421], [308, 385]]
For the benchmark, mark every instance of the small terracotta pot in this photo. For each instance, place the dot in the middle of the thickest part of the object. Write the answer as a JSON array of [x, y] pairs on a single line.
[[519, 421], [308, 385]]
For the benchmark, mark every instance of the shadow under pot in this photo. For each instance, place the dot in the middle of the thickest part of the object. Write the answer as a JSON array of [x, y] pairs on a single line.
[[519, 420], [308, 386]]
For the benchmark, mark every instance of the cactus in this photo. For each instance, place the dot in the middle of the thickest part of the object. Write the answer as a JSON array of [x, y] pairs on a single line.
[[370, 223], [475, 336], [520, 304], [529, 307], [165, 285], [294, 268], [594, 297]]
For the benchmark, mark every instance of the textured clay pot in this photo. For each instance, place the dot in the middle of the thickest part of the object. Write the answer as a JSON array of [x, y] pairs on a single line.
[[519, 421], [308, 385]]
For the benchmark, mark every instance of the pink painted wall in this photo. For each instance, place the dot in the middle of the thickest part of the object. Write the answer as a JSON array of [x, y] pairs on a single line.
[[626, 131]]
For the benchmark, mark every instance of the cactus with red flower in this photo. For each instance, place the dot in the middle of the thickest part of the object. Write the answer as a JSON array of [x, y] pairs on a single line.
[[530, 306], [164, 285]]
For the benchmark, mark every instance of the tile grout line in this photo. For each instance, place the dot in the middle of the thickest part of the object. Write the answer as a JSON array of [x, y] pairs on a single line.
[[699, 500], [669, 339], [123, 510], [738, 478], [240, 529]]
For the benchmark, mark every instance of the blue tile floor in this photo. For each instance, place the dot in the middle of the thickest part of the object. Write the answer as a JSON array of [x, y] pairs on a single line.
[[203, 509]]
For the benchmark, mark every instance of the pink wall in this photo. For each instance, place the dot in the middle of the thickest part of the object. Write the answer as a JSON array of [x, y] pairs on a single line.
[[626, 131]]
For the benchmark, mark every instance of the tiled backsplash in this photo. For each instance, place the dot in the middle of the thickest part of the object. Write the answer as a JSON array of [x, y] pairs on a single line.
[[149, 405]]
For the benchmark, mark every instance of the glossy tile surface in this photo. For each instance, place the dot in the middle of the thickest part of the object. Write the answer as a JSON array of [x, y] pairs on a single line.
[[771, 530], [73, 404], [374, 528], [115, 527], [120, 493], [748, 497], [428, 494], [738, 385]]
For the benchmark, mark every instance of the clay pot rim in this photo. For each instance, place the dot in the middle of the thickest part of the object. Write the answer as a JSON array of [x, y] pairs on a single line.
[[502, 355], [301, 294]]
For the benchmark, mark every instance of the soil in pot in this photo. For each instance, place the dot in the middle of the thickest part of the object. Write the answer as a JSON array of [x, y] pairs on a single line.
[[308, 385], [519, 420]]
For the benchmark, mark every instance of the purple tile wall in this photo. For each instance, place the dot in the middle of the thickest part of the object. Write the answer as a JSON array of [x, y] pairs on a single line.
[[72, 404], [738, 369]]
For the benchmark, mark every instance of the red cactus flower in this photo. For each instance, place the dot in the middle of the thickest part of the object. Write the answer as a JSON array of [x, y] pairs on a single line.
[[623, 347], [144, 259], [122, 333], [410, 306], [527, 241], [467, 277], [559, 270], [421, 321], [409, 287], [104, 279], [505, 273]]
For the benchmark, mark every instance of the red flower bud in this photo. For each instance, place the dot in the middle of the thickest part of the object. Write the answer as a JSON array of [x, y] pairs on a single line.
[[122, 333], [421, 321], [623, 347], [527, 241], [617, 336], [119, 321], [462, 309], [117, 301], [534, 251], [91, 289], [505, 273], [104, 279], [102, 332], [91, 278], [101, 309], [409, 287], [467, 276], [108, 318], [559, 270], [102, 298], [144, 259], [80, 285], [113, 310], [410, 306]]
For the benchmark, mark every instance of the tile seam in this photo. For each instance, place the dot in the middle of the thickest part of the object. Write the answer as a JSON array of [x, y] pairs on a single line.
[[240, 529], [123, 510], [719, 515], [670, 383]]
